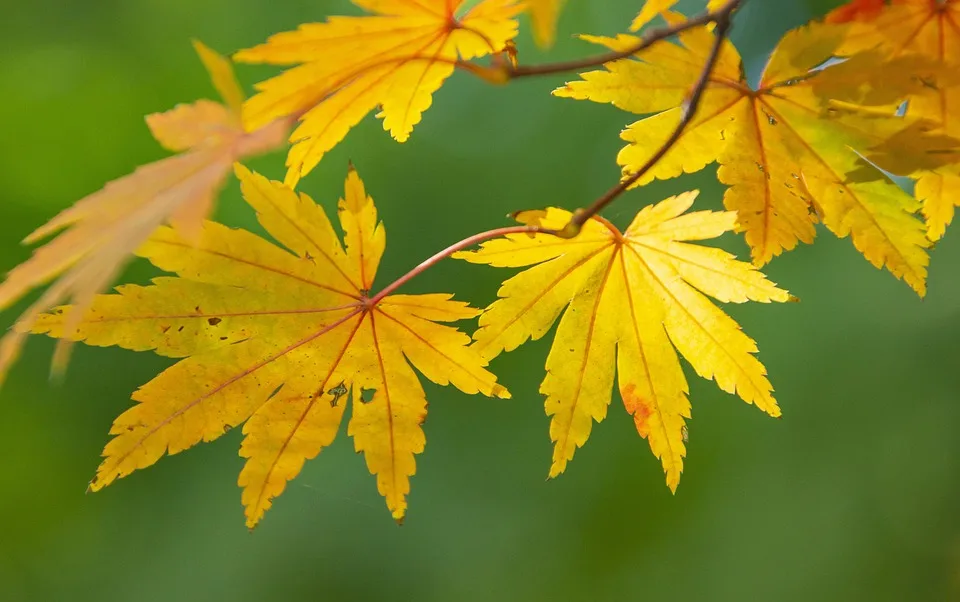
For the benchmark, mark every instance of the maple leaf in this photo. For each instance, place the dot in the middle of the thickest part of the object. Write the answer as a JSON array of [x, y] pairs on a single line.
[[631, 299], [544, 14], [103, 229], [788, 158], [929, 29], [348, 66], [280, 340]]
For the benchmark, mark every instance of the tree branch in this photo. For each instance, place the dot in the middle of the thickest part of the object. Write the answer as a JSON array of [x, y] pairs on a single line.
[[721, 17], [690, 106], [651, 37], [466, 243]]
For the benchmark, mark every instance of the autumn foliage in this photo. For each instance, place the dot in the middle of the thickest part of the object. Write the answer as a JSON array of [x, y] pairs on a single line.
[[279, 338]]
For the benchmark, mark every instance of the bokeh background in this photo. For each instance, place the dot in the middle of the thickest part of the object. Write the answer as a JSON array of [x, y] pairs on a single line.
[[853, 495]]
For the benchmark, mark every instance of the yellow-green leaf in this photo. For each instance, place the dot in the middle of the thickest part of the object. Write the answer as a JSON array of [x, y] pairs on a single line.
[[630, 302], [279, 340]]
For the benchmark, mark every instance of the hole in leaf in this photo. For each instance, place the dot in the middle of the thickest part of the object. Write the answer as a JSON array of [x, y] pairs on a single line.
[[337, 392]]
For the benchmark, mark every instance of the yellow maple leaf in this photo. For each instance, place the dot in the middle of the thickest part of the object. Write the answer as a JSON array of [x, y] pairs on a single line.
[[103, 229], [544, 14], [631, 298], [789, 160], [348, 66], [928, 29], [280, 339]]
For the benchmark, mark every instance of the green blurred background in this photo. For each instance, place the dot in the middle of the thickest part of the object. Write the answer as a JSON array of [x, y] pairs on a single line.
[[853, 495]]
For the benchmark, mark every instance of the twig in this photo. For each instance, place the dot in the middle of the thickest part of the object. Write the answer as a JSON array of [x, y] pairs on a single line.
[[458, 246], [720, 17], [689, 110], [651, 37]]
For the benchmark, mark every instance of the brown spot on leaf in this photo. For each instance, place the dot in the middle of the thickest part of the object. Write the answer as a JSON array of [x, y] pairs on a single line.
[[638, 407], [214, 321]]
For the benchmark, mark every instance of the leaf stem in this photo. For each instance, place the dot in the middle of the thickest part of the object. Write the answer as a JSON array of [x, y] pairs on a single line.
[[457, 246]]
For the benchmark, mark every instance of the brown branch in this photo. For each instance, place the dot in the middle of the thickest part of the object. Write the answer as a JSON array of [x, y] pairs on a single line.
[[722, 18], [651, 37], [689, 110], [466, 243]]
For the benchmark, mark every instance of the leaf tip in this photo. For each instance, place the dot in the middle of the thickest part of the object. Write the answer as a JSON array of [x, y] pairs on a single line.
[[294, 173], [241, 171], [198, 46], [61, 357], [556, 469]]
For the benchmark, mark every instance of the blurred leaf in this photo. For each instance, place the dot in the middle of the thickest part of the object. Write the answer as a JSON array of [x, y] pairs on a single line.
[[103, 229]]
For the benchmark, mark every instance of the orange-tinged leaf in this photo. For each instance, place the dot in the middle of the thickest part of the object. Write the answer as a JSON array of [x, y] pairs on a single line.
[[279, 340], [100, 231], [856, 9], [927, 29], [630, 302], [221, 74], [191, 125], [348, 66], [788, 157]]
